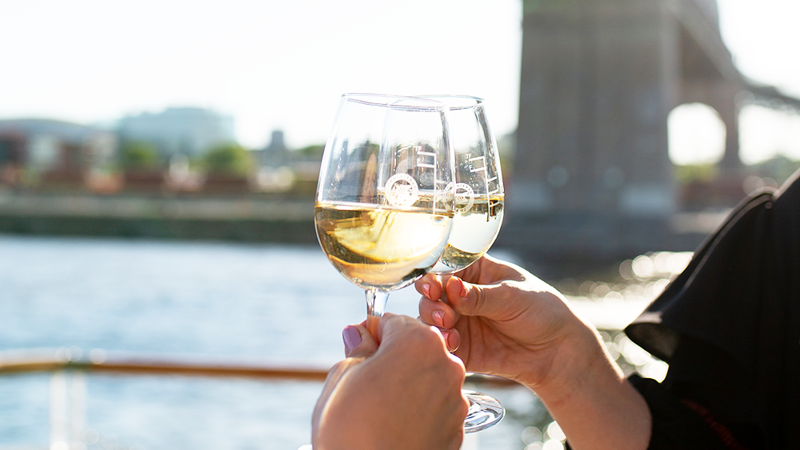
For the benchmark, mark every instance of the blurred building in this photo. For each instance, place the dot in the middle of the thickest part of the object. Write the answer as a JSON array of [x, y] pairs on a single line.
[[38, 151], [281, 169], [179, 131], [275, 154]]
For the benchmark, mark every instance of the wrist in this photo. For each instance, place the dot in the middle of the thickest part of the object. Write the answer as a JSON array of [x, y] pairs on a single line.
[[578, 357], [588, 395]]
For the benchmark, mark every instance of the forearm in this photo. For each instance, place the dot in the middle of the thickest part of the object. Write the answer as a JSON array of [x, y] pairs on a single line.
[[593, 403]]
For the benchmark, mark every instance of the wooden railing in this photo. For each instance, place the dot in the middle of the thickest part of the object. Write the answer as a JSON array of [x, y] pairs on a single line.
[[99, 361], [148, 364], [68, 368]]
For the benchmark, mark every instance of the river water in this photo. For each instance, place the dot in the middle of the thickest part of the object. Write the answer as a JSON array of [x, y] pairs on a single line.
[[249, 301]]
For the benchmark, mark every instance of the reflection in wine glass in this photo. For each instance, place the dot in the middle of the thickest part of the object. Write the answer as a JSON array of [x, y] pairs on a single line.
[[479, 198]]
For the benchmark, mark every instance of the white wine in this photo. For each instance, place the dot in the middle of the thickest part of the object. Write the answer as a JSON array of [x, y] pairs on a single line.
[[474, 232], [381, 247]]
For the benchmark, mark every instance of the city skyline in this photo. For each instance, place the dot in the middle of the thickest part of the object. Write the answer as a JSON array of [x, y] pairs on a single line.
[[283, 66]]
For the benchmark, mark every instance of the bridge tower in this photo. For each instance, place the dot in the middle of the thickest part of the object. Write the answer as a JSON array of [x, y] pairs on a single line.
[[591, 176]]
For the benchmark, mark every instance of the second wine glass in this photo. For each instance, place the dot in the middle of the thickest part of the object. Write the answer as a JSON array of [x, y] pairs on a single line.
[[478, 184], [479, 199]]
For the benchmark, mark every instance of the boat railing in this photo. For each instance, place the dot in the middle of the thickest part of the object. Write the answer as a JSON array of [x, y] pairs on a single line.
[[68, 367]]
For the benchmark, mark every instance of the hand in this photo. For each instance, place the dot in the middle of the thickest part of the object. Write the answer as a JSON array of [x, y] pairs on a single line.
[[403, 394], [504, 321], [508, 323]]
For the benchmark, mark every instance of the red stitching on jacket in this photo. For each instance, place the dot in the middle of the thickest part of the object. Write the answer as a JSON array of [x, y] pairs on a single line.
[[719, 429]]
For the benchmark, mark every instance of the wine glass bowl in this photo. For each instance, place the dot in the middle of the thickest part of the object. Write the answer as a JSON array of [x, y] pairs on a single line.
[[383, 212], [478, 185]]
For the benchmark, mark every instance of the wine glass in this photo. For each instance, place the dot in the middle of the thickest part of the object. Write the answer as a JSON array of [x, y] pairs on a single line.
[[383, 212], [479, 197], [478, 186]]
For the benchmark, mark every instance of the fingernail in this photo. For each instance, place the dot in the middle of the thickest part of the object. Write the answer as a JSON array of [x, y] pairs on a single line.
[[446, 336], [426, 289], [463, 289], [351, 337], [438, 318]]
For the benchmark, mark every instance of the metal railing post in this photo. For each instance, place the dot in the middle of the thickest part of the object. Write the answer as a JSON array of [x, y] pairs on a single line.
[[67, 410], [78, 410], [58, 411]]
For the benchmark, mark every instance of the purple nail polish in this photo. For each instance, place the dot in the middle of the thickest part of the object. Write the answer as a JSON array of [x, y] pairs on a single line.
[[351, 337]]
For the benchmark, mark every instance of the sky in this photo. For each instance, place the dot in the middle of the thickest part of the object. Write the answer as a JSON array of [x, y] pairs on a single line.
[[283, 64]]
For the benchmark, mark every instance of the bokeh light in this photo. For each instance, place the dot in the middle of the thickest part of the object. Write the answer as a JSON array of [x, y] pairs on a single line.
[[553, 444], [531, 435], [554, 432], [696, 134]]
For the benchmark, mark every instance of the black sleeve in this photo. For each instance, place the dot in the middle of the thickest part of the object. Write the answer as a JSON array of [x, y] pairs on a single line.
[[676, 426], [679, 423]]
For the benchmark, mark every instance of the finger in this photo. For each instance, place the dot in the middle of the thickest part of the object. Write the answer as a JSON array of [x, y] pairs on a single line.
[[494, 301], [452, 339], [488, 270], [393, 329], [438, 313], [358, 342], [429, 286], [391, 324], [442, 316]]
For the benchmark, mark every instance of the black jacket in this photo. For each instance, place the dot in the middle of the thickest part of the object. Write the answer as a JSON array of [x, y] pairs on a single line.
[[729, 328]]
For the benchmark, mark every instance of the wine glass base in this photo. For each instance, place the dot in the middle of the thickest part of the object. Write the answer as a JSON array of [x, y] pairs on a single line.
[[484, 411]]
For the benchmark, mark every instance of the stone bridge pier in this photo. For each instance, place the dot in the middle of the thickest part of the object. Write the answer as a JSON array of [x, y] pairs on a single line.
[[591, 179]]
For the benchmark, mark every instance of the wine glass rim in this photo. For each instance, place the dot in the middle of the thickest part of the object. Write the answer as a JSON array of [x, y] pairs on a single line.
[[456, 101], [392, 101]]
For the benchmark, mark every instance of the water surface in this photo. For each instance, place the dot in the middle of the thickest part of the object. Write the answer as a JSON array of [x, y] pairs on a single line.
[[266, 303]]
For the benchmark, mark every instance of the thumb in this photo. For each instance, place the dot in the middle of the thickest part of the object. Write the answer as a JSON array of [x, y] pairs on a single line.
[[358, 342], [492, 301]]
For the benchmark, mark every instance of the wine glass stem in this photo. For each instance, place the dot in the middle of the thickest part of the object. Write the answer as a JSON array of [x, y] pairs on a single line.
[[376, 305]]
